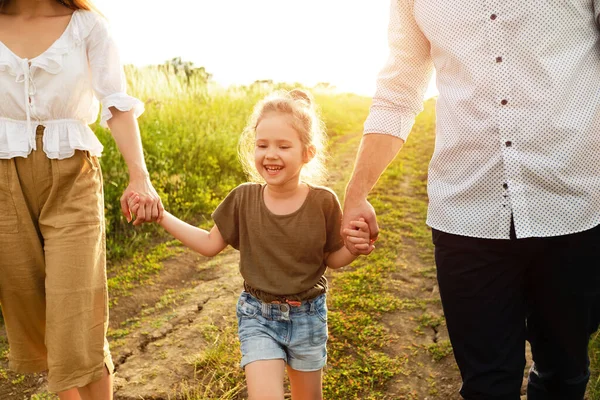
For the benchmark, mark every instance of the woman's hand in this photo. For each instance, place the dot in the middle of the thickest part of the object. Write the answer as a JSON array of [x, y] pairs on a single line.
[[150, 206]]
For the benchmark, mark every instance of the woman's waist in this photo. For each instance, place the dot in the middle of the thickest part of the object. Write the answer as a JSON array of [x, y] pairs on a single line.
[[61, 137], [43, 122]]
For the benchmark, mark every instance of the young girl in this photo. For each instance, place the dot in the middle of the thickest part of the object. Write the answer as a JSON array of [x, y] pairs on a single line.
[[287, 231]]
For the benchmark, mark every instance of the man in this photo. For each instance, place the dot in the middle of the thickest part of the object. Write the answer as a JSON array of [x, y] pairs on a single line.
[[514, 182]]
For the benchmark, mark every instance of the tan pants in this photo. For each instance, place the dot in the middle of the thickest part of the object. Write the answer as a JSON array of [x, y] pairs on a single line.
[[53, 289]]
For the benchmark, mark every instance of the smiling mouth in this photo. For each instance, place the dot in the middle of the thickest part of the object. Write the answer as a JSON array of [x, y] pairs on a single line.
[[273, 169]]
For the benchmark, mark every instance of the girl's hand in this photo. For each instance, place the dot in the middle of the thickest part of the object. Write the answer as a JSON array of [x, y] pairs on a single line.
[[359, 235], [133, 203], [150, 206]]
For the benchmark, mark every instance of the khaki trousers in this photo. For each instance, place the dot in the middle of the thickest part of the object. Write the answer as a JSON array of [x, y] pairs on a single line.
[[53, 289]]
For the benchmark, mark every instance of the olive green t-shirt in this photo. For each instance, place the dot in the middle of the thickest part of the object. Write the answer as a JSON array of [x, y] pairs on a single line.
[[281, 255]]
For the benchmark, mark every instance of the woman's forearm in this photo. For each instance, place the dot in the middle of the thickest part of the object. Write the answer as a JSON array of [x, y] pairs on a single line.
[[126, 133]]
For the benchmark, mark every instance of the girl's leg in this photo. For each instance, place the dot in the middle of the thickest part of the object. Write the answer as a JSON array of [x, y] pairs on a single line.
[[265, 379], [306, 385]]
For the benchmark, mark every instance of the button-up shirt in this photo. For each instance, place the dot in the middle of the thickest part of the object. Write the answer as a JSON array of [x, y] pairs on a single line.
[[518, 113]]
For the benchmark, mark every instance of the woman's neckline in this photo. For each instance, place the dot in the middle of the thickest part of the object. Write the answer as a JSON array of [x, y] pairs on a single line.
[[48, 49]]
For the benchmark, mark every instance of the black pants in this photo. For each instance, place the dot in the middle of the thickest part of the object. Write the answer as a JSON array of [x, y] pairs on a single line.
[[497, 294]]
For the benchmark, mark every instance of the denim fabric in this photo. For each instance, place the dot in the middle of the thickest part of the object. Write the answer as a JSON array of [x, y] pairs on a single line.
[[296, 334]]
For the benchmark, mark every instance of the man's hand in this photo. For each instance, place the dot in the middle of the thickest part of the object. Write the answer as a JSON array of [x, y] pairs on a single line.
[[357, 210], [359, 236]]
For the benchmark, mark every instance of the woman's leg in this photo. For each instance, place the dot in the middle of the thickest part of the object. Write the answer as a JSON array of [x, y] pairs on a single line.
[[99, 390], [265, 379], [72, 224], [22, 264], [306, 385], [71, 394]]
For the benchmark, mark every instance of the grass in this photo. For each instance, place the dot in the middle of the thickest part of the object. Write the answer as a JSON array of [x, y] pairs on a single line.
[[359, 366], [594, 384], [190, 133]]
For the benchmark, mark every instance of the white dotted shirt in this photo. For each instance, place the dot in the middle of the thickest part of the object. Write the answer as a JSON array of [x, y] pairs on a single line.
[[518, 114]]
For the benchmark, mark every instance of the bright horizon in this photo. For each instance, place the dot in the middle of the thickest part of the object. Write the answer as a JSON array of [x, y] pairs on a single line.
[[340, 42]]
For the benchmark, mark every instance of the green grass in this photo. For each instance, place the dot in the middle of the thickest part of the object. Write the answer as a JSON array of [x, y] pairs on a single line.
[[594, 385]]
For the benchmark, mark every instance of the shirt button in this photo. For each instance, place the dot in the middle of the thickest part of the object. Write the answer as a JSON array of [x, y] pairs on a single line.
[[498, 59], [504, 102], [493, 17], [508, 143], [505, 185]]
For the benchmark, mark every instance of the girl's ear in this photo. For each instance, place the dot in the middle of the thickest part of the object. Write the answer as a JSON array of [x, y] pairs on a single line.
[[309, 153]]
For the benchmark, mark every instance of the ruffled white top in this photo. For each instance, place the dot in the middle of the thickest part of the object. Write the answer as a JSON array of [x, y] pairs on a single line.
[[60, 89]]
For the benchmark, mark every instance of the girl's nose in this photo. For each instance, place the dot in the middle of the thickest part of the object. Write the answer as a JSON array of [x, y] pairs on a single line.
[[271, 153]]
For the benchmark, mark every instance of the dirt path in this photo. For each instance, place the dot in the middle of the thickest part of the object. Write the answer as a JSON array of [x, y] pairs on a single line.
[[158, 332]]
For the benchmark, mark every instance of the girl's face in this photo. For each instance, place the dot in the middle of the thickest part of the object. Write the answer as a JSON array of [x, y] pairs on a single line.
[[279, 154]]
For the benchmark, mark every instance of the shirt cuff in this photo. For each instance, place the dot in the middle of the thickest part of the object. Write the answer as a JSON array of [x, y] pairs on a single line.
[[122, 102], [389, 122]]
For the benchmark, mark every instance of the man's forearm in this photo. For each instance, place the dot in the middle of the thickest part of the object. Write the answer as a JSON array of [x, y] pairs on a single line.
[[375, 153]]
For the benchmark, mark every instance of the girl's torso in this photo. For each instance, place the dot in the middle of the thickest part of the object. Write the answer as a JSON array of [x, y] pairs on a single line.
[[280, 254]]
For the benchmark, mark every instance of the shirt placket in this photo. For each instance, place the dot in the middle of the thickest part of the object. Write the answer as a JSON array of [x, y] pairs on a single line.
[[29, 91], [499, 55]]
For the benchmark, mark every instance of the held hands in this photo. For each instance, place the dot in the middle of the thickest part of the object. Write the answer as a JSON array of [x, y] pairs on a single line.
[[133, 204], [359, 210], [358, 235], [149, 207]]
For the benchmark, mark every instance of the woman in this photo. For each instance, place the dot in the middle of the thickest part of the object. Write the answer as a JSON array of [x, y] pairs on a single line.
[[56, 59]]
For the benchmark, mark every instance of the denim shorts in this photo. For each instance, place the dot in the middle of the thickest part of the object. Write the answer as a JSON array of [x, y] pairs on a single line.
[[296, 334]]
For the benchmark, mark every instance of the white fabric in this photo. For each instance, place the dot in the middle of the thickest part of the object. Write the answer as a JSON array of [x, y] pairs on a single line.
[[60, 89], [518, 115]]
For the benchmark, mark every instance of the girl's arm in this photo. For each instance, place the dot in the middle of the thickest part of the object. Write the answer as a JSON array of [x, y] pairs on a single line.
[[359, 236], [207, 243]]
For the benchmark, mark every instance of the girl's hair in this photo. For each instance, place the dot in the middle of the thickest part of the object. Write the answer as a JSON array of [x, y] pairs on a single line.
[[299, 105], [72, 4]]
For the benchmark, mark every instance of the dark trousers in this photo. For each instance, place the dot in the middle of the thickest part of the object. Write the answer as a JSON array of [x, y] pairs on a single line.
[[497, 294]]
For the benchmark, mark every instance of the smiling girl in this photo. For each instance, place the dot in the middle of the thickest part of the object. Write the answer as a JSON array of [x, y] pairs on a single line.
[[287, 230]]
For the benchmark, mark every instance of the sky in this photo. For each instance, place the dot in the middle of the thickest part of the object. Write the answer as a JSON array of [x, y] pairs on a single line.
[[343, 42]]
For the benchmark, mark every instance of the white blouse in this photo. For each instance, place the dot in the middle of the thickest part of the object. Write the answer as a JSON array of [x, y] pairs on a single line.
[[60, 88]]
